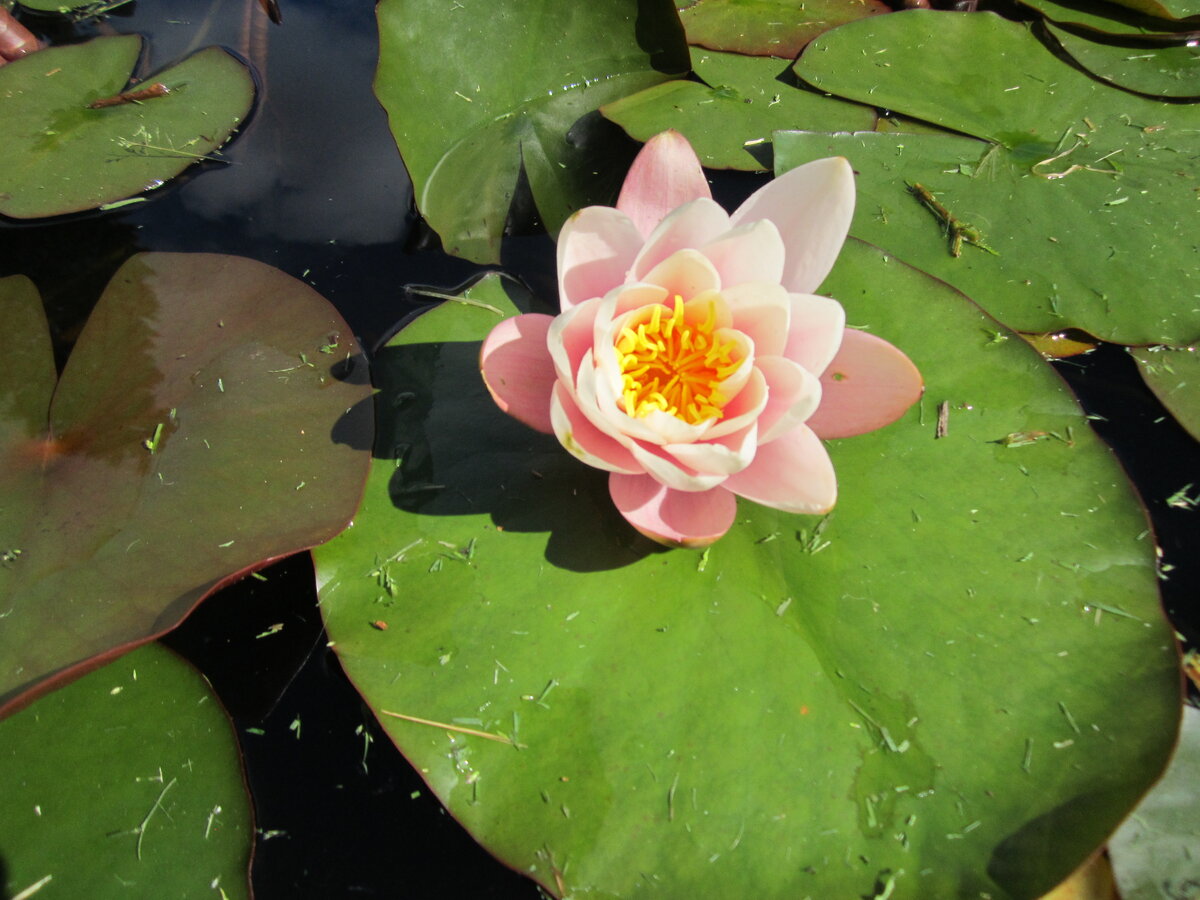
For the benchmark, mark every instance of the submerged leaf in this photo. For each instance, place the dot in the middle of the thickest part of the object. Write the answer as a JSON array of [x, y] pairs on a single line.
[[197, 430], [740, 722]]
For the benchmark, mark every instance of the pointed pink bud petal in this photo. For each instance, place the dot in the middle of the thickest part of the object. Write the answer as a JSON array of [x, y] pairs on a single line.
[[688, 227], [811, 206], [817, 325], [516, 367], [665, 174], [596, 248], [869, 384], [584, 440], [674, 518], [753, 252], [793, 473]]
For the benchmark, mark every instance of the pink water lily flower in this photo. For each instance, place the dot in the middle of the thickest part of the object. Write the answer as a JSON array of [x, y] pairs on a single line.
[[691, 359]]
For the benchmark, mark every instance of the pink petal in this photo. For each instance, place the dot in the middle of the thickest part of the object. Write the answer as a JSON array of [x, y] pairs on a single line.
[[691, 225], [665, 469], [596, 248], [686, 273], [792, 473], [868, 385], [722, 456], [763, 312], [793, 395], [570, 337], [666, 174], [674, 518], [753, 252], [743, 409], [811, 206], [517, 370], [815, 332], [584, 440]]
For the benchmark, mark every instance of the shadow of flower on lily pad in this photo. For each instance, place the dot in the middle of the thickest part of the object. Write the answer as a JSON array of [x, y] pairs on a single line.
[[457, 454]]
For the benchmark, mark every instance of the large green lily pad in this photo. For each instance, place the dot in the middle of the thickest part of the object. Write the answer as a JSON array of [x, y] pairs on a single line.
[[778, 28], [1084, 192], [1171, 71], [58, 155], [730, 119], [1108, 19], [1174, 377], [957, 684], [478, 90], [125, 783], [197, 429]]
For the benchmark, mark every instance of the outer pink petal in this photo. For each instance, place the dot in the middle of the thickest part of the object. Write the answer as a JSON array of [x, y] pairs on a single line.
[[691, 225], [815, 332], [672, 517], [753, 252], [584, 440], [792, 473], [666, 174], [570, 337], [596, 248], [869, 384], [517, 369], [793, 395], [811, 206]]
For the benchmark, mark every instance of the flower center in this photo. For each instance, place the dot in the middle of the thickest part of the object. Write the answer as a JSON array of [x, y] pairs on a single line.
[[673, 365]]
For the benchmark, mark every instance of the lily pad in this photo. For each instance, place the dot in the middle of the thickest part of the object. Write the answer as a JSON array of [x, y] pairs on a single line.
[[1167, 9], [60, 155], [777, 28], [125, 783], [956, 684], [1108, 18], [730, 119], [1172, 71], [1174, 377], [197, 430], [1081, 190], [501, 91]]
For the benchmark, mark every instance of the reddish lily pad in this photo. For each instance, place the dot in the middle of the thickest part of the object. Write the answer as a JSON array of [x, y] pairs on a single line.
[[202, 425], [778, 28], [60, 155], [797, 710], [125, 783]]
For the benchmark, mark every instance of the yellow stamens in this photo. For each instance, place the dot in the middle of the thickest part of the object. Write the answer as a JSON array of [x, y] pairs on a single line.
[[674, 366]]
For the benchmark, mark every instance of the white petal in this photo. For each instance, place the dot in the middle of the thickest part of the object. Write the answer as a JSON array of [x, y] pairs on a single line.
[[815, 332], [691, 225], [596, 248], [751, 252]]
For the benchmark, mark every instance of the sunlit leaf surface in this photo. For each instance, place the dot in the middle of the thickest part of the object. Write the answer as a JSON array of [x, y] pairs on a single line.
[[202, 425], [126, 783], [777, 28], [956, 684], [1174, 377], [1083, 192], [474, 100], [60, 155], [730, 119]]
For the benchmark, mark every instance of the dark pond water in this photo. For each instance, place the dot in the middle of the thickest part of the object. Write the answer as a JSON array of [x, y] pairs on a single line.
[[315, 187]]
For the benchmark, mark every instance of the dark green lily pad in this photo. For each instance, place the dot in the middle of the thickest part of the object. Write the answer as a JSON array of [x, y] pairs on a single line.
[[956, 684], [730, 119], [197, 430], [1174, 377], [125, 783], [1108, 18], [1084, 192], [1167, 9], [58, 155], [777, 28], [479, 90], [1159, 71]]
